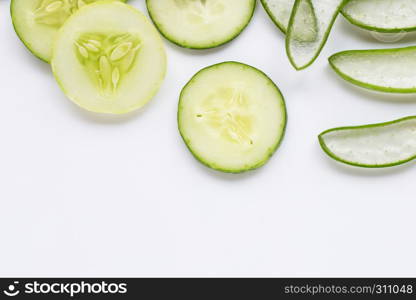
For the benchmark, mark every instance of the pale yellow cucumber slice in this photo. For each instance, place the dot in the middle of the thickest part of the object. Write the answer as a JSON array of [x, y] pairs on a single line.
[[36, 22], [232, 117], [109, 58]]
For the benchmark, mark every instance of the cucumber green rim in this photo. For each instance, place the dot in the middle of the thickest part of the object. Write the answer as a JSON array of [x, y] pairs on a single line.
[[37, 55], [19, 35], [194, 47], [273, 149]]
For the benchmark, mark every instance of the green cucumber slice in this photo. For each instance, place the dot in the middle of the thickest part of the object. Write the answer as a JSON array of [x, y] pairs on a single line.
[[372, 146], [305, 37], [232, 117], [279, 11], [382, 15], [385, 70], [200, 24], [109, 58], [37, 22]]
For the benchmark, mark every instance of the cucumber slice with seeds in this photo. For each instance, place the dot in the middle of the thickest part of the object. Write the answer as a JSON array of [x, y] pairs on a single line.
[[305, 37], [385, 70], [232, 117], [37, 22], [372, 146], [382, 15], [279, 11], [201, 24], [109, 58]]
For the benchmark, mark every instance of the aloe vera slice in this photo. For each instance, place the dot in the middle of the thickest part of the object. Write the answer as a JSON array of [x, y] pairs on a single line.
[[279, 11], [372, 146], [307, 30], [200, 24], [302, 52], [232, 117], [385, 70], [382, 15], [109, 58], [37, 22]]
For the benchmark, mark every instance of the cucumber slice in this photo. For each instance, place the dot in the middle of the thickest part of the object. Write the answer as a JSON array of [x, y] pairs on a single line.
[[109, 58], [372, 146], [385, 70], [305, 37], [37, 22], [200, 24], [279, 11], [232, 117], [382, 15]]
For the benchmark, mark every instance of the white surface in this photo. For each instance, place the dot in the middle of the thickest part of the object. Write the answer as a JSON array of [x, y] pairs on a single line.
[[90, 195]]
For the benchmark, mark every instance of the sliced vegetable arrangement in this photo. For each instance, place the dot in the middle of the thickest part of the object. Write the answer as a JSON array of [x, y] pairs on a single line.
[[382, 15], [372, 146], [201, 24], [37, 22], [108, 58], [386, 70], [112, 65], [232, 117]]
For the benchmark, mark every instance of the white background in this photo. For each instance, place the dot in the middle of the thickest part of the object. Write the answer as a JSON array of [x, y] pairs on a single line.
[[83, 194]]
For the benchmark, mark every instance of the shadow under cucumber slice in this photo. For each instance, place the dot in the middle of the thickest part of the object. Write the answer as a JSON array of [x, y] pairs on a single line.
[[385, 70], [372, 146]]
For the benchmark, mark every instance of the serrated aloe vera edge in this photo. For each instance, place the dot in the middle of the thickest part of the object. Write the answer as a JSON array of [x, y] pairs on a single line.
[[373, 145], [384, 70], [303, 53]]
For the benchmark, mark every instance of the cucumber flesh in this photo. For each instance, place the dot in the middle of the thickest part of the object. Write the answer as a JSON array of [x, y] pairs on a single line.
[[382, 15], [302, 52], [37, 22], [113, 64], [200, 24], [372, 146], [279, 11], [232, 117], [386, 70]]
